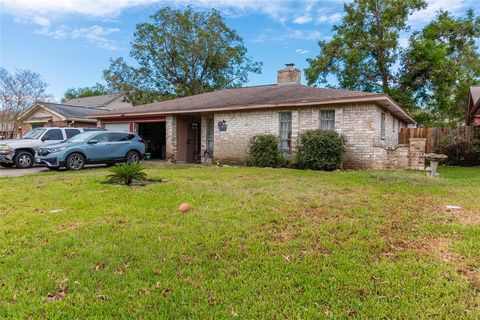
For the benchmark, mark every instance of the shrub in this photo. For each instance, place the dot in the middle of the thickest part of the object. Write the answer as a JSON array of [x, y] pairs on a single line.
[[263, 151], [320, 150], [461, 149], [126, 173]]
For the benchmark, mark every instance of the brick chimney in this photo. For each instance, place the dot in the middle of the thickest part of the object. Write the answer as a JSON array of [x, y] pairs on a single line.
[[289, 75]]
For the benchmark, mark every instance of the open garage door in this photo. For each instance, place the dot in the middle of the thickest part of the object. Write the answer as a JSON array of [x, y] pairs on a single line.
[[119, 126], [154, 136]]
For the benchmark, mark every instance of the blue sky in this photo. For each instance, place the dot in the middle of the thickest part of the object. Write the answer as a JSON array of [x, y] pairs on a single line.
[[70, 42]]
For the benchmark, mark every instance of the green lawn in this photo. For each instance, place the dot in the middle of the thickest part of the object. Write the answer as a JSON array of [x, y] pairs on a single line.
[[258, 243]]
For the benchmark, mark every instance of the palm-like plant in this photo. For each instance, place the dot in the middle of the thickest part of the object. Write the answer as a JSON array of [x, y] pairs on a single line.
[[126, 173]]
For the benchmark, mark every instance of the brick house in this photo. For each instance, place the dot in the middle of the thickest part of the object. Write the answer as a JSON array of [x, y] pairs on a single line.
[[71, 113], [218, 125]]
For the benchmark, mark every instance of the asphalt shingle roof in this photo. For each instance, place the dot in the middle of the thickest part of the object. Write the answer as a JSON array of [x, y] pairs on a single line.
[[94, 101], [259, 96], [71, 112]]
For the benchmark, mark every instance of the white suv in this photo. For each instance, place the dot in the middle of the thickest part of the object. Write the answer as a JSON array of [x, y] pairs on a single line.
[[20, 152]]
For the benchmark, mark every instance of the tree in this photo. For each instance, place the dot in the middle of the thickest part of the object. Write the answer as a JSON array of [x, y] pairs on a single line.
[[364, 47], [439, 65], [134, 82], [181, 53], [96, 90], [18, 92]]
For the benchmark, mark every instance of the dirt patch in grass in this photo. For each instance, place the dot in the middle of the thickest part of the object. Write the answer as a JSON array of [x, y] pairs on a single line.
[[282, 236], [464, 217], [323, 214], [438, 249]]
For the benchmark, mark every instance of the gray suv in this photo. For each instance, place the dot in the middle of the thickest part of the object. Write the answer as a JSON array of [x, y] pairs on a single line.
[[20, 152]]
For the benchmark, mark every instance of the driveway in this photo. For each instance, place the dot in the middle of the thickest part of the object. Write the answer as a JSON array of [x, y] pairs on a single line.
[[14, 172]]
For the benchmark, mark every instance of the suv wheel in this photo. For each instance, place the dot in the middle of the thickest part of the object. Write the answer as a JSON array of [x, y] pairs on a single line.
[[75, 162], [23, 160], [132, 157]]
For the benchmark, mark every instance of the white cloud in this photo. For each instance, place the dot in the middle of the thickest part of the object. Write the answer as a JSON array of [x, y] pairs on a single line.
[[302, 19], [279, 9], [41, 21], [96, 35], [301, 51], [288, 33], [329, 18], [303, 34], [453, 6]]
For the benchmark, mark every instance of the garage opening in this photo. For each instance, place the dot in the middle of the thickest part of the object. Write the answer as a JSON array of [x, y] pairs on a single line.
[[154, 136]]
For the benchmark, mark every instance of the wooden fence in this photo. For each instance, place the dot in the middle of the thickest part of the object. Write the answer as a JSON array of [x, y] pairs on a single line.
[[435, 136]]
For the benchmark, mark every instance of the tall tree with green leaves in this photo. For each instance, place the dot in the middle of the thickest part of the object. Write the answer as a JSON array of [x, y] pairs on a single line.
[[364, 47], [440, 64], [182, 53], [96, 90]]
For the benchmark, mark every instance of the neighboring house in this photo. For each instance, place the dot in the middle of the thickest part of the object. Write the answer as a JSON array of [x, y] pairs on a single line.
[[473, 107], [47, 114], [71, 113], [218, 125], [112, 101]]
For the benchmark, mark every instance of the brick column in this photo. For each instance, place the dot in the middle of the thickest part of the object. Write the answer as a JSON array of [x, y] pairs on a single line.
[[171, 138], [416, 151]]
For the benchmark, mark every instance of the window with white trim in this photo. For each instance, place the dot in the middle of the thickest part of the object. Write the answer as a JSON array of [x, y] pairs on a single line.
[[327, 120], [285, 132]]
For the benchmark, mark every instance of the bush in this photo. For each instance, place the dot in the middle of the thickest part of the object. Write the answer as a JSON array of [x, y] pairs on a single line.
[[126, 173], [461, 149], [263, 151], [320, 150]]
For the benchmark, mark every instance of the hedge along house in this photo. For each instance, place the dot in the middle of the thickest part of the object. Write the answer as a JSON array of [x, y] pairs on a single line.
[[218, 125]]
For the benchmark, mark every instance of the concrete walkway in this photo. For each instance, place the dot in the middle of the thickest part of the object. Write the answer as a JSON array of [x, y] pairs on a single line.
[[14, 172]]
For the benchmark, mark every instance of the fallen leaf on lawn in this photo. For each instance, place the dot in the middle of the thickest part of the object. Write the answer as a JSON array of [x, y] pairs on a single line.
[[166, 292], [144, 291], [157, 285], [287, 258], [100, 266], [60, 294], [102, 297]]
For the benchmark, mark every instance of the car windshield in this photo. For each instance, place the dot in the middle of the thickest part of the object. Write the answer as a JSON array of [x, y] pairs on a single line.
[[34, 134], [81, 137]]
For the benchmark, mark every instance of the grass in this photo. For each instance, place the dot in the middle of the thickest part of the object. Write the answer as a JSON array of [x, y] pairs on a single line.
[[258, 243]]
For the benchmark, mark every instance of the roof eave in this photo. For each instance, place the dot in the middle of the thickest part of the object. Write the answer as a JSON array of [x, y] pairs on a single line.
[[81, 120]]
